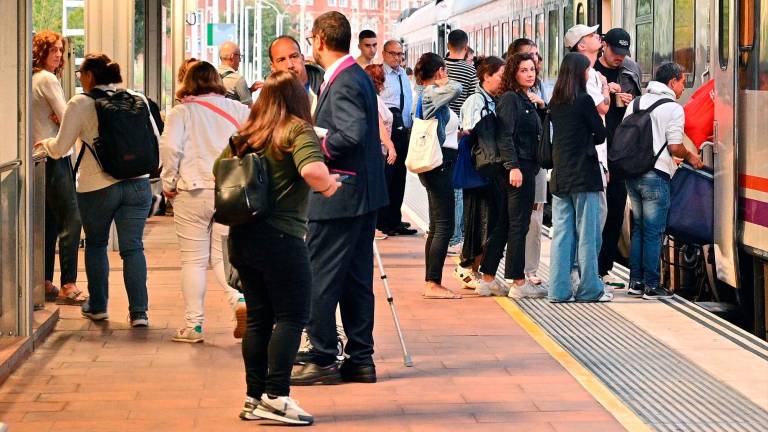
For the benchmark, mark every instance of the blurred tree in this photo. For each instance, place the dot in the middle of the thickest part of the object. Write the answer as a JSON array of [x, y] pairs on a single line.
[[46, 15]]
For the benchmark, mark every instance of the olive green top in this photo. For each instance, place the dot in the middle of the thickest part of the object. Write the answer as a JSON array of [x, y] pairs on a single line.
[[290, 191]]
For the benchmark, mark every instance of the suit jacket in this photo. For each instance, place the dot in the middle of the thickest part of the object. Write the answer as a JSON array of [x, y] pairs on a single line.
[[347, 108]]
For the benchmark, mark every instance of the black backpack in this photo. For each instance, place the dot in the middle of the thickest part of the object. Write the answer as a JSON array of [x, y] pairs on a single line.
[[127, 146], [230, 93], [482, 140], [631, 154], [544, 152]]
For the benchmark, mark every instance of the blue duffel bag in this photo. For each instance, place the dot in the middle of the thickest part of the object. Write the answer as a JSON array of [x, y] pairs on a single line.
[[691, 217], [464, 174]]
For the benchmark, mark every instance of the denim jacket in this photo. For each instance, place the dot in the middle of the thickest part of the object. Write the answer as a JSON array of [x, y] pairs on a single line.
[[434, 104]]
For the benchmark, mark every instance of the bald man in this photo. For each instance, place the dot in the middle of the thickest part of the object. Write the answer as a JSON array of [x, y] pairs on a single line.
[[237, 89]]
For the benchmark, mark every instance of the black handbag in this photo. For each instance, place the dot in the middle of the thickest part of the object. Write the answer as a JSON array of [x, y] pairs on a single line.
[[486, 157], [544, 152], [242, 188]]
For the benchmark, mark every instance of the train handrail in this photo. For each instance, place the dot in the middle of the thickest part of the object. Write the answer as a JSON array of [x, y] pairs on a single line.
[[7, 166]]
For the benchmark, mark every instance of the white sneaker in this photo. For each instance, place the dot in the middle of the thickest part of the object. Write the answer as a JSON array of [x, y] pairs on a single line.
[[485, 289], [282, 409], [502, 289], [189, 335], [613, 281], [575, 278], [248, 407], [466, 277], [606, 297], [527, 290], [455, 250]]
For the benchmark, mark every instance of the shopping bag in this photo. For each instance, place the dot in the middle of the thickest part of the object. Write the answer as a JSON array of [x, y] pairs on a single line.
[[424, 153], [691, 217], [464, 174], [700, 114]]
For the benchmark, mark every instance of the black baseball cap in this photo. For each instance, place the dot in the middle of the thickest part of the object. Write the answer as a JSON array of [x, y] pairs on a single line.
[[619, 40]]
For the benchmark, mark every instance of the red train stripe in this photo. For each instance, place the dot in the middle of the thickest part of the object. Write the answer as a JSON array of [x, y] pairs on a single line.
[[753, 182]]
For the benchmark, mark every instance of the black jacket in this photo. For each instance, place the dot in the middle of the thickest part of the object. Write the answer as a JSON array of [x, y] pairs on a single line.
[[348, 109], [518, 128], [578, 128]]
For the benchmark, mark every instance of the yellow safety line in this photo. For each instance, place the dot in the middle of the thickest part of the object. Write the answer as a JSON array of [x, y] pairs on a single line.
[[589, 381]]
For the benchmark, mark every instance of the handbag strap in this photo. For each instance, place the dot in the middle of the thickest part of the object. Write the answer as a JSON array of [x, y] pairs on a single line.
[[419, 113], [217, 110]]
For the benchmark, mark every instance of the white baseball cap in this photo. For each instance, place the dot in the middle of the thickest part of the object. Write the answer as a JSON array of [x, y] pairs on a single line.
[[575, 33]]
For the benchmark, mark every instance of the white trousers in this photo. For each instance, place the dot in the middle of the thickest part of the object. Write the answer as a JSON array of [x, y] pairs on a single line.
[[533, 241], [200, 241]]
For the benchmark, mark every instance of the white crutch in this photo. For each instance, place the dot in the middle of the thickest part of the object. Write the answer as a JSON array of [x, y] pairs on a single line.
[[406, 357]]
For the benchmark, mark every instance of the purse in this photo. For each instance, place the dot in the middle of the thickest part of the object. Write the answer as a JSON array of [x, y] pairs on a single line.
[[424, 153], [486, 157], [243, 188], [544, 151]]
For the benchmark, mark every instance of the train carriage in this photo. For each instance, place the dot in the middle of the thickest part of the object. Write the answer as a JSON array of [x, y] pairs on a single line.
[[724, 40]]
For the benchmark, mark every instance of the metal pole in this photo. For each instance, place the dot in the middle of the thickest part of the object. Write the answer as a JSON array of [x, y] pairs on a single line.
[[247, 62], [302, 24], [259, 32]]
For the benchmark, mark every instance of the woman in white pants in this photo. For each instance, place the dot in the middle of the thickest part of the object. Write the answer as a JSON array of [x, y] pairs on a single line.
[[533, 238], [196, 131]]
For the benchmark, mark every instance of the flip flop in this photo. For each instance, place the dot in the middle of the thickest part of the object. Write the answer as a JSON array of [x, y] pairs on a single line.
[[74, 298]]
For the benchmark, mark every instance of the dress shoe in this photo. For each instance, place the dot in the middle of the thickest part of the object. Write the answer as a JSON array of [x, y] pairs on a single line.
[[351, 372], [400, 230], [312, 373], [405, 224]]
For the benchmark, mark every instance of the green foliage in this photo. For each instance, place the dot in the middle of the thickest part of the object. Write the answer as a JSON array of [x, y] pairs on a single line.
[[268, 19], [46, 15]]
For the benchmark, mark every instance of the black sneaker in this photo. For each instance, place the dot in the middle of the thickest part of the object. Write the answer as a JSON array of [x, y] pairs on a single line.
[[635, 288], [139, 319], [312, 373], [658, 292], [400, 230]]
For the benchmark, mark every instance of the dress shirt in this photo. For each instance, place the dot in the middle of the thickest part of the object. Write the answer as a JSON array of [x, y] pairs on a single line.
[[391, 92], [331, 70]]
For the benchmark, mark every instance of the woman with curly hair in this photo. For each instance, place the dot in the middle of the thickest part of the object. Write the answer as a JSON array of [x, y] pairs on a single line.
[[62, 218]]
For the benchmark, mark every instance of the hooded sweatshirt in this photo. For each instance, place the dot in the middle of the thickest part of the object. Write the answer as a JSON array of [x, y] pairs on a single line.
[[668, 121]]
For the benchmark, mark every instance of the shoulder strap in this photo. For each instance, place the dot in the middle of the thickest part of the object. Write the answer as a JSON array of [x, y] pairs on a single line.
[[96, 94], [226, 74], [80, 157], [657, 104], [217, 110], [419, 113]]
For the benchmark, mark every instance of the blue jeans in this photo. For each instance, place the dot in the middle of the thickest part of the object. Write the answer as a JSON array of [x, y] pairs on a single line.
[[458, 230], [649, 194], [127, 204], [577, 232]]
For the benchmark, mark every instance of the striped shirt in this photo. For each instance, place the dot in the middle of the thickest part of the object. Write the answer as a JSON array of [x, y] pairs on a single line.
[[465, 74]]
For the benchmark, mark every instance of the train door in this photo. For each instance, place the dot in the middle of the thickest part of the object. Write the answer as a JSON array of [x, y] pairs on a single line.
[[723, 65]]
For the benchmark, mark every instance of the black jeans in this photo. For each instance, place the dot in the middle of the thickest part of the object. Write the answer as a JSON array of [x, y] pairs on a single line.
[[512, 227], [390, 216], [616, 199], [276, 277], [62, 219], [442, 218]]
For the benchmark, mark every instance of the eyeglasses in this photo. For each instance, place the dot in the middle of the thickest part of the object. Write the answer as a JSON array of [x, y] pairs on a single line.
[[309, 39], [77, 74], [395, 54], [237, 54]]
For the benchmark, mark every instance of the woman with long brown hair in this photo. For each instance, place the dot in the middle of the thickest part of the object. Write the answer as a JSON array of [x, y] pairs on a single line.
[[62, 217], [197, 130], [276, 275]]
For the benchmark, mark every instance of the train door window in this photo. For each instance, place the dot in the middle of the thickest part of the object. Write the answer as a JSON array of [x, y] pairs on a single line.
[[593, 12], [644, 37], [663, 35], [527, 28], [724, 51], [504, 37], [553, 43], [762, 55], [540, 31], [684, 52], [487, 41], [567, 16], [515, 29], [479, 41], [495, 40], [580, 15]]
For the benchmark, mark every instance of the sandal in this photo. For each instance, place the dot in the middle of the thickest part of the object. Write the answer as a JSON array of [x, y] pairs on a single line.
[[439, 292], [74, 298], [51, 291], [534, 279]]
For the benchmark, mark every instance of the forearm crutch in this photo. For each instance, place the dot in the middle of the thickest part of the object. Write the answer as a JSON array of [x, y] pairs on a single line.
[[406, 357]]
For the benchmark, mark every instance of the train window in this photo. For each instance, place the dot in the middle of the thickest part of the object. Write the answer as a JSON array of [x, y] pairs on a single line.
[[580, 17], [663, 34], [593, 12], [540, 30], [504, 37], [487, 46], [515, 29], [762, 57], [567, 16], [553, 43], [724, 52], [644, 49], [684, 52], [479, 39], [643, 7], [527, 28], [495, 40]]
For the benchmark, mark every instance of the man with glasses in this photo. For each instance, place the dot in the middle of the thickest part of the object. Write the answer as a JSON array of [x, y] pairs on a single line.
[[398, 98], [237, 89]]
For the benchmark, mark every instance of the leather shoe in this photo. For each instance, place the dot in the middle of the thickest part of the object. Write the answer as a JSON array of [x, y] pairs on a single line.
[[312, 373], [400, 230], [405, 224], [351, 372]]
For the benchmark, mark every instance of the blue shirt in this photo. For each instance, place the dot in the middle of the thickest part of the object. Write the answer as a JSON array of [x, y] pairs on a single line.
[[391, 92]]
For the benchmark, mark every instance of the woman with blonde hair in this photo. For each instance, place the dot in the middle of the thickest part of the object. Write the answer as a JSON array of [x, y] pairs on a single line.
[[62, 217], [196, 132], [276, 275]]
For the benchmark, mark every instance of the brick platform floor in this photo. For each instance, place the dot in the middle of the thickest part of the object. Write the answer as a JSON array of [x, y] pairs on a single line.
[[475, 368]]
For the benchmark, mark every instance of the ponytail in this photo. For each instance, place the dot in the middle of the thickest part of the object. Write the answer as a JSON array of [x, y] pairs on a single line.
[[104, 70]]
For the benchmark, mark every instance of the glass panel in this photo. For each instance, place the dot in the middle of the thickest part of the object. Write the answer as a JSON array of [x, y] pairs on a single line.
[[504, 37], [515, 29], [139, 19], [487, 41], [725, 28], [540, 30], [662, 31], [567, 17], [763, 53], [479, 47], [592, 12], [580, 16], [684, 51], [527, 28], [495, 51], [9, 246], [168, 74], [553, 43], [644, 7], [645, 49]]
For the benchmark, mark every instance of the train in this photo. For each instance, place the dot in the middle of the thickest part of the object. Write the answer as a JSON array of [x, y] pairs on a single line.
[[721, 40]]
